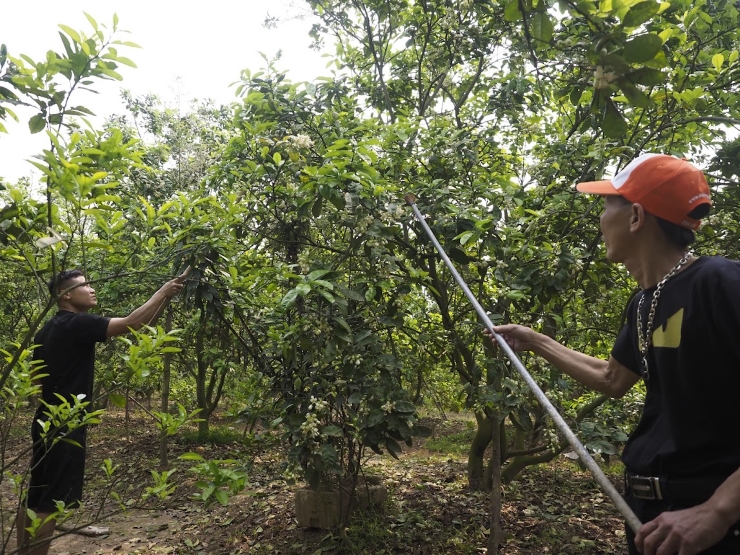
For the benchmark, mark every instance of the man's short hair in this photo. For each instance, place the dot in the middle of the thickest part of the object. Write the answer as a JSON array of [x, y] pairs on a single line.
[[56, 282], [676, 234]]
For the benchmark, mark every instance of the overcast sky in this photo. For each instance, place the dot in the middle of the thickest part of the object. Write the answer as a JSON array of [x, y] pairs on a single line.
[[196, 49]]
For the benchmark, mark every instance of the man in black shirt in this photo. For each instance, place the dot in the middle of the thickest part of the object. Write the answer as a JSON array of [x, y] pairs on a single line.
[[66, 345], [682, 468]]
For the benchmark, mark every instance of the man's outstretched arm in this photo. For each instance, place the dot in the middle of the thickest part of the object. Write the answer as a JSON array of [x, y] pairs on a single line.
[[148, 313], [608, 377]]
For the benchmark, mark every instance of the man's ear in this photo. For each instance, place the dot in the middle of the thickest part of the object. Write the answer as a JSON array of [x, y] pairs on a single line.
[[637, 216]]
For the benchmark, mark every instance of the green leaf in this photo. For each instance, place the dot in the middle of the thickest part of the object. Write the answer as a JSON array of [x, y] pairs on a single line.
[[190, 457], [343, 323], [127, 43], [316, 208], [647, 76], [617, 62], [393, 447], [370, 293], [328, 296], [522, 419], [207, 491], [110, 73], [363, 334], [376, 417], [457, 255], [619, 436], [464, 237], [642, 48], [332, 431], [542, 27], [404, 407], [316, 274], [635, 96], [125, 61], [512, 11], [289, 298], [328, 453], [72, 33], [92, 21], [37, 123], [640, 13], [343, 335], [117, 399], [350, 293], [222, 496], [614, 125], [717, 61]]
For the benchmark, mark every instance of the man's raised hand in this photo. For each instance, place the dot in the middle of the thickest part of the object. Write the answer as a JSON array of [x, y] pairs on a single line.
[[174, 286]]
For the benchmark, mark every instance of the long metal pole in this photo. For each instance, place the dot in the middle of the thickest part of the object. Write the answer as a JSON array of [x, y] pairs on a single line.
[[560, 424]]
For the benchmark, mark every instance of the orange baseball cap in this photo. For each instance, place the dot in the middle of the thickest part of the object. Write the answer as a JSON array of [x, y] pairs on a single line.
[[667, 187]]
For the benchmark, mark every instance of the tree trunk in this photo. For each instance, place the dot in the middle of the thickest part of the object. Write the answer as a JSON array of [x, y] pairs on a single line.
[[200, 383], [126, 419], [165, 405], [476, 470], [495, 533]]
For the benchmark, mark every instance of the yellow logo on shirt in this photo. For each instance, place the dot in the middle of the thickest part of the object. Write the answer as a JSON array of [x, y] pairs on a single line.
[[669, 335]]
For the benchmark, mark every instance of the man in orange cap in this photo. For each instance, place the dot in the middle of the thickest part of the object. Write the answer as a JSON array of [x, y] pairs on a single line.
[[682, 475]]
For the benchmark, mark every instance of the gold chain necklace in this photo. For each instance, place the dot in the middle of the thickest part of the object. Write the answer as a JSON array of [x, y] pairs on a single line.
[[644, 342]]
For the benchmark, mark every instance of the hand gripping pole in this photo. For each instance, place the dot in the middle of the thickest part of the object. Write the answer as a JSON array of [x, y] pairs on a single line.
[[624, 509]]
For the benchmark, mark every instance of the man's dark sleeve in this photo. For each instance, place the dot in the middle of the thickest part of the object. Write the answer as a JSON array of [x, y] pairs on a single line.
[[90, 327]]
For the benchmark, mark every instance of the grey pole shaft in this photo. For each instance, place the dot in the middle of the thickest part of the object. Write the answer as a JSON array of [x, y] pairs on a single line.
[[560, 424]]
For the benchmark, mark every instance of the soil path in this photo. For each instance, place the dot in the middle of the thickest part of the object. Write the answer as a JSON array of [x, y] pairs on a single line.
[[132, 532]]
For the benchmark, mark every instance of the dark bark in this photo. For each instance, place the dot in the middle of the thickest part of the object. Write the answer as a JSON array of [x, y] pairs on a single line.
[[476, 472]]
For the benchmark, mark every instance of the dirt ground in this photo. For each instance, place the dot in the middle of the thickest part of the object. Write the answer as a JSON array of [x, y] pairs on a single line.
[[553, 509], [133, 532]]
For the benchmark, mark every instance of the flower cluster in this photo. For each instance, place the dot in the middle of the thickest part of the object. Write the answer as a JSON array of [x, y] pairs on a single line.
[[363, 223], [318, 405], [393, 212], [310, 427], [602, 78], [304, 261], [300, 141]]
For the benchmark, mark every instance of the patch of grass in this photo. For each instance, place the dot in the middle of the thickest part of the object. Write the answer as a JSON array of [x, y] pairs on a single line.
[[220, 435], [457, 443]]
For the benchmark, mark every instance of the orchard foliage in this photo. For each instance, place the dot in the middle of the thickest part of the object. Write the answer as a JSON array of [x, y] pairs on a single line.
[[498, 108], [316, 305]]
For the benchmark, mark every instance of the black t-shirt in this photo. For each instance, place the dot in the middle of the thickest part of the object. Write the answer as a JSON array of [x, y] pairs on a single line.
[[691, 417], [66, 344]]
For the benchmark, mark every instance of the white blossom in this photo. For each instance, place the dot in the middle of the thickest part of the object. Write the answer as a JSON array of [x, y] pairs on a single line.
[[300, 141], [602, 79]]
